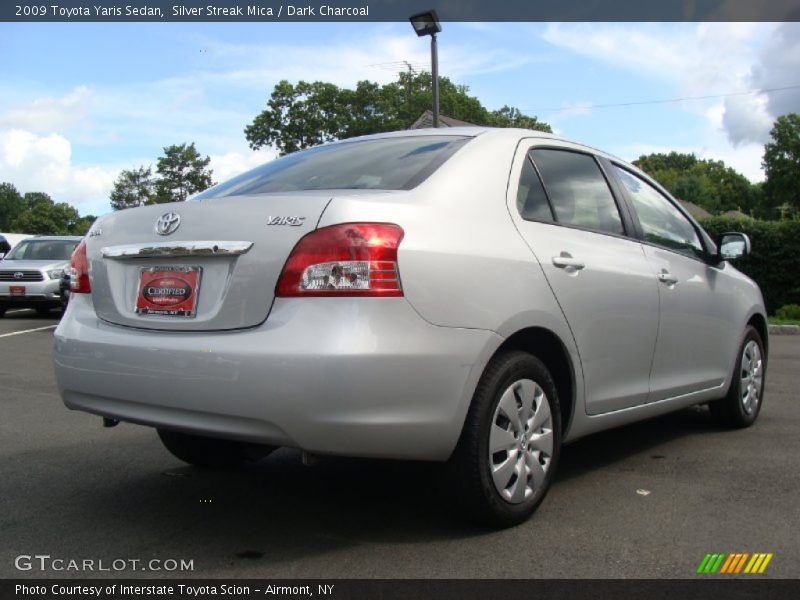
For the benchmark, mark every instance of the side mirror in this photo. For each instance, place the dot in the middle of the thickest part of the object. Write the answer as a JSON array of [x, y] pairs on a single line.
[[732, 246]]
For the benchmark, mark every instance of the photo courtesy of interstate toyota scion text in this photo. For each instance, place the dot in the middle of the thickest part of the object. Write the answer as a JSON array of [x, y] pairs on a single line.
[[473, 296]]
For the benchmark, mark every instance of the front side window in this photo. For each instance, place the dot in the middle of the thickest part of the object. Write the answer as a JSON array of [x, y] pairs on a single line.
[[662, 223], [578, 190], [394, 163]]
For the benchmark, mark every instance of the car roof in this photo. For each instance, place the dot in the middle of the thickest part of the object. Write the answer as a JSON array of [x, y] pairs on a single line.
[[512, 133], [53, 238]]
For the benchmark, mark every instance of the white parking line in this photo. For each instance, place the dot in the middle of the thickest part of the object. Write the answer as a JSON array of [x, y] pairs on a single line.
[[16, 310], [27, 331]]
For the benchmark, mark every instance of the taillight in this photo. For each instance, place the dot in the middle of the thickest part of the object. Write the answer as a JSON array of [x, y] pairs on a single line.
[[78, 271], [352, 259]]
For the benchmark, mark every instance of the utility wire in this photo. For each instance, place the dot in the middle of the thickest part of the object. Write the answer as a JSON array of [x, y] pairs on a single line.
[[671, 100]]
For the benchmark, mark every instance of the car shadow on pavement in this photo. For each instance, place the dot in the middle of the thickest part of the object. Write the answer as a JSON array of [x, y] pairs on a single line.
[[279, 510], [645, 440]]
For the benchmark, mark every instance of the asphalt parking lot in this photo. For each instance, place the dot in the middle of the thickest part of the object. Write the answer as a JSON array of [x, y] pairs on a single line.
[[647, 500]]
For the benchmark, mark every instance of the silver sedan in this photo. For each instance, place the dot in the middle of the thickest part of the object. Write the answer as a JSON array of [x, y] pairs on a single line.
[[470, 295]]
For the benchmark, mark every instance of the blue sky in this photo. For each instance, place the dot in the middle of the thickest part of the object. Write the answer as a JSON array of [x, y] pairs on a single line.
[[80, 102]]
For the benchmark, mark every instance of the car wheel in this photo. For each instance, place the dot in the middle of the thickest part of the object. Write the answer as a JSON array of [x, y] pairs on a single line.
[[211, 452], [2, 310], [42, 310], [740, 407], [509, 448]]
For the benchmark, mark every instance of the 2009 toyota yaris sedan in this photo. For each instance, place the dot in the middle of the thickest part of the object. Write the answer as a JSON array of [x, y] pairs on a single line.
[[470, 295]]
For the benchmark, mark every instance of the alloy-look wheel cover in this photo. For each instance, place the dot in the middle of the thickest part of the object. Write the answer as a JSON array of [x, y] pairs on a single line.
[[752, 374], [520, 441]]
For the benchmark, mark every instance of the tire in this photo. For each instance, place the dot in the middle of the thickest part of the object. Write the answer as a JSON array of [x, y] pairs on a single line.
[[742, 404], [487, 484], [42, 310], [209, 452], [2, 310]]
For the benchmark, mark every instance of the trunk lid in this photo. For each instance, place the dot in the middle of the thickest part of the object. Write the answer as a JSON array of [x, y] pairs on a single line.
[[231, 249]]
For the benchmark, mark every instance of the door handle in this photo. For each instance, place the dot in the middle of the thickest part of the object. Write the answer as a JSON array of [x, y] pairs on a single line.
[[667, 277], [565, 261]]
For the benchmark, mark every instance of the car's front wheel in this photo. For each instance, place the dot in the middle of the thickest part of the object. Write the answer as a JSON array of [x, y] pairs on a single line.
[[741, 406], [211, 452], [509, 448]]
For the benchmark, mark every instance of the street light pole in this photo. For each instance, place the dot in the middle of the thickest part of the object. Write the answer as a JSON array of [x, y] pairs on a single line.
[[435, 79], [427, 23]]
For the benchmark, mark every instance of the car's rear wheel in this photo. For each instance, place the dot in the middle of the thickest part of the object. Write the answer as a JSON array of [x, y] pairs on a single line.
[[509, 448], [2, 310], [741, 406], [212, 452]]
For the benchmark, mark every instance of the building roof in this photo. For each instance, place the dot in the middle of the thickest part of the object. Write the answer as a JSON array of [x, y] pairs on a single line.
[[698, 212], [426, 120]]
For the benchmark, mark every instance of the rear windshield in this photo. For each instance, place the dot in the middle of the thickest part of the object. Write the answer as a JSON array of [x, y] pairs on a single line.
[[42, 250], [399, 163]]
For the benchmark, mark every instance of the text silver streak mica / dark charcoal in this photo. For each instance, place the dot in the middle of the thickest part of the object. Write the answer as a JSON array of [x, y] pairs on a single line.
[[470, 295]]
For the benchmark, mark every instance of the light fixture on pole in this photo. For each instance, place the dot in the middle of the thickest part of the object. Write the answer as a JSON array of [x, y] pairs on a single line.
[[427, 23]]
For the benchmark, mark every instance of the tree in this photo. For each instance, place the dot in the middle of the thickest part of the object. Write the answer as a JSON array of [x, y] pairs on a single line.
[[11, 205], [133, 188], [782, 164], [306, 114], [707, 183], [44, 217], [182, 172]]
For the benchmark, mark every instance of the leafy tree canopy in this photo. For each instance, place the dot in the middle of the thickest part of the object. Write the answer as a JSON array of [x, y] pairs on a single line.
[[782, 164], [11, 205], [133, 188], [307, 114], [707, 183], [40, 215], [181, 173]]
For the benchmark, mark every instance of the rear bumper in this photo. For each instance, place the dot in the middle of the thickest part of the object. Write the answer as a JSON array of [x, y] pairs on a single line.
[[363, 377]]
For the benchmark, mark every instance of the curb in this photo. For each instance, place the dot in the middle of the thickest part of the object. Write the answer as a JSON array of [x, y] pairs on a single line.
[[784, 329]]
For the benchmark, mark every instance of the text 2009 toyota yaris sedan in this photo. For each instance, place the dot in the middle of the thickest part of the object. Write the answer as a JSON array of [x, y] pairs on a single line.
[[472, 295]]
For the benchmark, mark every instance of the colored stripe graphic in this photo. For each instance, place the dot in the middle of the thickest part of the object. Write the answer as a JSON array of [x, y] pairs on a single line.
[[734, 563], [765, 563], [727, 564], [741, 562], [703, 563], [718, 562]]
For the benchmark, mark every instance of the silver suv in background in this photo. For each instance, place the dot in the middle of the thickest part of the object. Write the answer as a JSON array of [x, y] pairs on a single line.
[[30, 274], [469, 295]]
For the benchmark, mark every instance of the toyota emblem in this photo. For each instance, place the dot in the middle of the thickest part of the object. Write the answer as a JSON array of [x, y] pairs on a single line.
[[19, 275], [168, 223]]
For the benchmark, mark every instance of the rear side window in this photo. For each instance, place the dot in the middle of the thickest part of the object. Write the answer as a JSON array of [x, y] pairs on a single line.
[[662, 223], [399, 163], [578, 191], [532, 202]]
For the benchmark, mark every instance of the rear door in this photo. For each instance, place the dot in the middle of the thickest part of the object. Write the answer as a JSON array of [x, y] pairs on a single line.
[[568, 215], [695, 328]]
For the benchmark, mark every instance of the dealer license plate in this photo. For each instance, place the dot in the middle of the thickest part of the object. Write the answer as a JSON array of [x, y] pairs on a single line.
[[168, 291]]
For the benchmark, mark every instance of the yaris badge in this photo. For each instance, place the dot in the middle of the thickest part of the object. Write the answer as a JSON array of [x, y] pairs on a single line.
[[168, 223]]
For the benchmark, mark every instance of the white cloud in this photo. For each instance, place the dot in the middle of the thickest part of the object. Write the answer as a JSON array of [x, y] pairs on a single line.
[[235, 162], [750, 118], [35, 163], [705, 59], [49, 114]]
